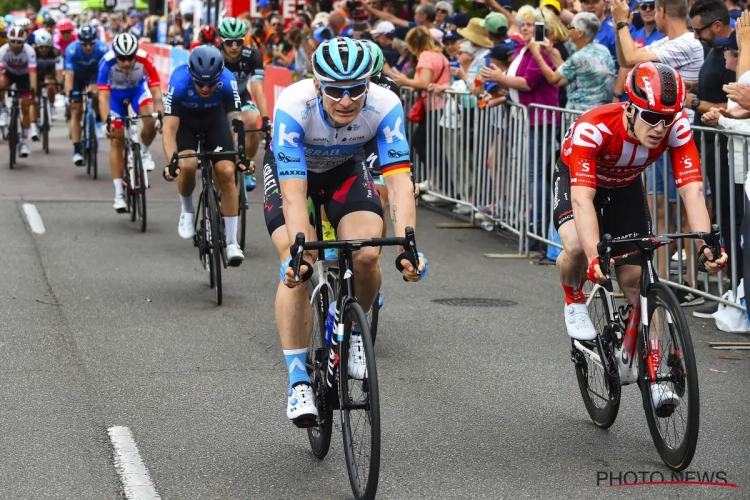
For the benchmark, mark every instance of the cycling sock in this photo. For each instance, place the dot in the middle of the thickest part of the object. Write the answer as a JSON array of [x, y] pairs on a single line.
[[573, 294], [118, 187], [230, 223], [77, 148], [145, 150], [24, 133], [187, 204], [295, 365]]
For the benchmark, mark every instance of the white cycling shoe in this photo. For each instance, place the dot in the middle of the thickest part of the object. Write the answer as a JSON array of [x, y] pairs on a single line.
[[357, 364], [4, 118], [186, 227], [300, 406], [234, 255], [120, 205], [578, 322], [147, 161], [78, 160], [33, 131], [664, 400], [53, 114], [23, 150]]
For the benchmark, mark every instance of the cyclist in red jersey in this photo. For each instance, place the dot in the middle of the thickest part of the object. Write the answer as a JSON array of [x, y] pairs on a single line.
[[597, 181], [207, 36]]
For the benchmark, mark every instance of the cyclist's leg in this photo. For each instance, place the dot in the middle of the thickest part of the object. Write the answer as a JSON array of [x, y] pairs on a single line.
[[656, 182], [4, 82], [218, 134], [358, 215], [76, 108], [250, 117], [143, 104], [187, 143], [23, 83], [117, 108]]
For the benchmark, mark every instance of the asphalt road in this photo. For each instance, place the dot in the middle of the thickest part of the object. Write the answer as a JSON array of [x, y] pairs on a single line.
[[102, 326]]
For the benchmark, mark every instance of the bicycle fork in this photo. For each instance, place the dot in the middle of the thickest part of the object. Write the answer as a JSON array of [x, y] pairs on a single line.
[[624, 351]]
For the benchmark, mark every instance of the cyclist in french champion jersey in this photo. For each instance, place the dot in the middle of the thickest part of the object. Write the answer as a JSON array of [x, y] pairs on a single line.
[[598, 187], [81, 70], [247, 66], [17, 66], [202, 97], [320, 128], [127, 73]]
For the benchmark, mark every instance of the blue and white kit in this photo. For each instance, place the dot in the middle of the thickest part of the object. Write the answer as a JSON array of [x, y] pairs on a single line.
[[133, 86]]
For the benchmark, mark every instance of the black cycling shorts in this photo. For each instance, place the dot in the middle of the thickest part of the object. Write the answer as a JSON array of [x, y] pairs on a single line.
[[214, 124], [80, 82], [345, 189], [247, 103], [44, 74], [622, 212], [22, 83]]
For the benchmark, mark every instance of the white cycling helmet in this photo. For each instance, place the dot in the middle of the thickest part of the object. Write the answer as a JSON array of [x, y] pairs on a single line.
[[17, 34], [125, 44], [94, 23], [42, 38]]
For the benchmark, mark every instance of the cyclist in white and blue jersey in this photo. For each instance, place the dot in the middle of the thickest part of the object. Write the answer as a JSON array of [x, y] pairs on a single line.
[[202, 97], [81, 70], [320, 128]]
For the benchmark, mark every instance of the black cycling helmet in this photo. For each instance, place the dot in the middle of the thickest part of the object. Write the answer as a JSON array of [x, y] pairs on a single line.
[[87, 34], [50, 22], [205, 63]]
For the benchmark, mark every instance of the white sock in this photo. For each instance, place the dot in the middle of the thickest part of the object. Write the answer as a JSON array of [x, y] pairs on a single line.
[[145, 150], [230, 223], [24, 133], [187, 204], [118, 187]]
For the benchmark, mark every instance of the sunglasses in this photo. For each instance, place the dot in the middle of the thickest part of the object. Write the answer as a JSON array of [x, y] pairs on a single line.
[[126, 58], [590, 2], [87, 44], [336, 93], [444, 11], [646, 6], [235, 42], [653, 119], [273, 25], [16, 42], [202, 85]]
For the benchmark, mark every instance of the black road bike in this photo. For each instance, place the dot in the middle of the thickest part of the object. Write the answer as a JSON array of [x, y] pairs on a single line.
[[648, 344], [88, 133], [357, 401], [13, 133], [45, 121], [239, 179]]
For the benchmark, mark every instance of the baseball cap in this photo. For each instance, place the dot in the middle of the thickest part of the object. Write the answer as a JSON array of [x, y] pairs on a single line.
[[502, 52], [729, 42], [451, 35], [383, 28], [494, 21], [461, 20]]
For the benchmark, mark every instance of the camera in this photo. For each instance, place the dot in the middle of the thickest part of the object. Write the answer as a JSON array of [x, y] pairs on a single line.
[[258, 26], [356, 10]]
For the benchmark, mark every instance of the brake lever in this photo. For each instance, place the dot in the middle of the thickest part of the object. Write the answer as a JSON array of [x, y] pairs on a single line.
[[713, 242], [296, 251], [604, 249]]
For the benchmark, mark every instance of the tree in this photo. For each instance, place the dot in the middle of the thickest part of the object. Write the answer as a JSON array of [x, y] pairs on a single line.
[[8, 5]]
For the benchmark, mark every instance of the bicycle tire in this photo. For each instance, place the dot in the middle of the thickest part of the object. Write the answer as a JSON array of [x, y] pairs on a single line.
[[685, 376], [13, 136], [353, 312], [92, 145], [374, 314], [243, 207], [317, 365], [132, 183], [602, 410], [139, 187], [213, 232], [45, 125], [127, 186]]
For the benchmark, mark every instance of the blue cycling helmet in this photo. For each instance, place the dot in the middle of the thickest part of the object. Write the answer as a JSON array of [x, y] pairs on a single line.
[[206, 63], [341, 59], [86, 34]]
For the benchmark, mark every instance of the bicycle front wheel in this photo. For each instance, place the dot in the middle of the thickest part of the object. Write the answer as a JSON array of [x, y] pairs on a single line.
[[317, 367], [139, 187], [93, 146], [240, 180], [213, 240], [13, 136], [596, 368], [360, 411], [672, 401], [45, 125]]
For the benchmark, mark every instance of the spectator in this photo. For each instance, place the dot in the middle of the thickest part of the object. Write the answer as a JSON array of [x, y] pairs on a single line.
[[451, 41], [443, 10], [135, 24], [175, 37], [298, 56], [589, 73], [152, 29], [710, 19], [498, 27], [187, 29], [337, 23], [527, 85], [465, 56], [403, 64], [424, 15], [477, 35], [459, 20], [276, 40], [649, 33], [606, 35], [735, 10], [383, 34]]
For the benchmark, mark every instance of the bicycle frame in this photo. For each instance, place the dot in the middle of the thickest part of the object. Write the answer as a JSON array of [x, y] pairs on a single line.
[[132, 135]]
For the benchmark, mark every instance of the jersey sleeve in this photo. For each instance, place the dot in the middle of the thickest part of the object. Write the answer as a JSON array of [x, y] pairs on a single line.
[[149, 69], [288, 148], [58, 61], [105, 65], [257, 72], [580, 150], [686, 162], [3, 51], [393, 149], [70, 58], [32, 58], [230, 93], [172, 105]]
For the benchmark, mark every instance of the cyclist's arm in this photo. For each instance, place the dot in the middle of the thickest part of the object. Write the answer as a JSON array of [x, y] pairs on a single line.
[[69, 69], [582, 164], [169, 135], [255, 87], [232, 105], [628, 53], [153, 80], [32, 72], [584, 217], [105, 90]]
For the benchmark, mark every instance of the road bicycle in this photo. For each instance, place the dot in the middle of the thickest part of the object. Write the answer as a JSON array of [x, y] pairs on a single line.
[[648, 344], [45, 120], [89, 139], [134, 177], [358, 401], [239, 179], [210, 234], [13, 132]]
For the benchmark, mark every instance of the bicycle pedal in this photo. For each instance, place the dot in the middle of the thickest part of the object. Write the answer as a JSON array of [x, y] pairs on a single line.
[[305, 421]]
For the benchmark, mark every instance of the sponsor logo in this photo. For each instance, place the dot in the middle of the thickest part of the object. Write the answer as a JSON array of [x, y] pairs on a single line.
[[393, 134], [287, 139], [306, 111], [168, 100], [320, 139], [371, 160], [649, 91], [287, 159], [291, 173], [352, 127], [193, 105], [680, 133], [370, 107], [191, 93], [587, 135], [392, 153]]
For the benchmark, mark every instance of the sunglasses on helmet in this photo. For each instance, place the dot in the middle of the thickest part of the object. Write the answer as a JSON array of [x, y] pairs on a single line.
[[336, 92], [653, 119]]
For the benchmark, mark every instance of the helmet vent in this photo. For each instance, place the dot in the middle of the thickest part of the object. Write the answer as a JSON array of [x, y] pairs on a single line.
[[668, 86]]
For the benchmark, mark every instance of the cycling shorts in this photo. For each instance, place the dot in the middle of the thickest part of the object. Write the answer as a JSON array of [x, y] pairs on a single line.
[[138, 96], [81, 81], [45, 74], [622, 212], [247, 103], [214, 125], [345, 189], [22, 83]]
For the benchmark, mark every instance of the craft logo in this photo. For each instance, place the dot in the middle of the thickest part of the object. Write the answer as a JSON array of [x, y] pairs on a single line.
[[611, 479]]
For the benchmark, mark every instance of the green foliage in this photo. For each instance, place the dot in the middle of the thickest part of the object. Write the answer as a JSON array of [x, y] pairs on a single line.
[[8, 5], [474, 9]]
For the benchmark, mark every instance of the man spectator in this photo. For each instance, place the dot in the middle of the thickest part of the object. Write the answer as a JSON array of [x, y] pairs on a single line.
[[460, 20], [277, 40], [451, 41], [187, 29], [710, 19], [337, 23], [606, 35], [648, 34], [424, 16], [735, 10], [497, 27], [135, 24], [383, 34]]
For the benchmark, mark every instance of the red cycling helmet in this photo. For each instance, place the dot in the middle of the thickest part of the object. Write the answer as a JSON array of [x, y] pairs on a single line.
[[656, 87], [208, 33], [65, 25]]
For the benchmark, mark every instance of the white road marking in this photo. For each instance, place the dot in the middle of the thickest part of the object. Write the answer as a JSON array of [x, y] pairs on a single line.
[[133, 473], [35, 220]]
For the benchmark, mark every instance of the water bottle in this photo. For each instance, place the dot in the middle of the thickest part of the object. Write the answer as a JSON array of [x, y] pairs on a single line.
[[330, 322]]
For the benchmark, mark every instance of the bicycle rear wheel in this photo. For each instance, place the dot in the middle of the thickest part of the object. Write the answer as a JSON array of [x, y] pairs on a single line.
[[600, 391], [360, 411], [674, 427], [374, 313], [92, 145], [45, 125], [213, 240], [317, 365], [240, 181], [13, 136]]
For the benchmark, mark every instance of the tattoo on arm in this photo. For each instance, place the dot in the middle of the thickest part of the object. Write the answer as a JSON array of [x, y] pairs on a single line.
[[394, 208], [234, 115]]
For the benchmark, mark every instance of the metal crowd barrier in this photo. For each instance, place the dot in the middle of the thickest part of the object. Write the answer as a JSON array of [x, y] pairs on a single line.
[[491, 161]]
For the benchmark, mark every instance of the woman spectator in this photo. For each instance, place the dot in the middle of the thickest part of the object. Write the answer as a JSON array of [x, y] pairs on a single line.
[[432, 67], [403, 63], [589, 74], [442, 10], [297, 58], [476, 33], [527, 85], [451, 41], [176, 35]]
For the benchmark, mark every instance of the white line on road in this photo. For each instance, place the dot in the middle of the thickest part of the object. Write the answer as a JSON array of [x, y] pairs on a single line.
[[35, 220], [133, 473]]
